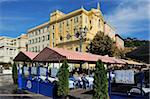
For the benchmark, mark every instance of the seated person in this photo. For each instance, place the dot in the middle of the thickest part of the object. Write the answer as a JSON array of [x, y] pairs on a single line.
[[85, 81]]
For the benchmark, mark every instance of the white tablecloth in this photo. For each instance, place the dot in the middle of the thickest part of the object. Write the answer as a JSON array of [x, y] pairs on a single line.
[[71, 83], [90, 79]]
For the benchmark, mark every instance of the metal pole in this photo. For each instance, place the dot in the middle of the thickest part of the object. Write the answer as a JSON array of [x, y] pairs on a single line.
[[38, 79], [80, 69], [80, 42], [109, 82], [47, 72], [142, 78]]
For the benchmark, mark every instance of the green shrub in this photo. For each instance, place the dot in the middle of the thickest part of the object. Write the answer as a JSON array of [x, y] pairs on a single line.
[[63, 83], [100, 82], [15, 74]]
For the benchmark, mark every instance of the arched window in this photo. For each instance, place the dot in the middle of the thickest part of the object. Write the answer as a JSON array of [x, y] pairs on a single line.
[[77, 49]]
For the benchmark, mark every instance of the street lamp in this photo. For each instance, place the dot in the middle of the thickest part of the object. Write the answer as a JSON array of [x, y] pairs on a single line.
[[81, 33]]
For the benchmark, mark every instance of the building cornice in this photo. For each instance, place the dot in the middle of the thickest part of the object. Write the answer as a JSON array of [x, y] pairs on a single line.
[[38, 27], [69, 15]]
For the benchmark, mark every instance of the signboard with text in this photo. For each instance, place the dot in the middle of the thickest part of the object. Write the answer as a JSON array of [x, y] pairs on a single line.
[[124, 76]]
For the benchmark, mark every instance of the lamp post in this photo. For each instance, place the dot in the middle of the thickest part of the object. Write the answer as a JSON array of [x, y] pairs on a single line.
[[81, 33]]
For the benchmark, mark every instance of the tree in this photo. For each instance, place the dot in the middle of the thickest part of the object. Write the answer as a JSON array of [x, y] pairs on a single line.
[[63, 83], [104, 45], [100, 82], [15, 74], [119, 53], [101, 45]]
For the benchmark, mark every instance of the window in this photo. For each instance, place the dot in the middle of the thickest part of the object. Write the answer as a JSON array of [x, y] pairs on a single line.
[[39, 31], [61, 38], [39, 39], [38, 48], [43, 46], [53, 35], [67, 23], [99, 23], [60, 25], [77, 49], [42, 30], [53, 27], [76, 19], [53, 44], [29, 41], [80, 18], [47, 37], [43, 38], [32, 41], [90, 22], [36, 40], [35, 48], [36, 33]]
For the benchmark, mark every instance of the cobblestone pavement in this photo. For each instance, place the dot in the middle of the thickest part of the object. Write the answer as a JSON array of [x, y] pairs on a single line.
[[80, 94], [7, 89], [6, 84]]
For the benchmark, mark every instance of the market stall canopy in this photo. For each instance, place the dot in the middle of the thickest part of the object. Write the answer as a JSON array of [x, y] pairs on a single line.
[[131, 62], [115, 60], [59, 54], [25, 56]]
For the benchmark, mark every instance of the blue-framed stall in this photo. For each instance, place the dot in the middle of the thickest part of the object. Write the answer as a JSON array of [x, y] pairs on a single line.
[[29, 77]]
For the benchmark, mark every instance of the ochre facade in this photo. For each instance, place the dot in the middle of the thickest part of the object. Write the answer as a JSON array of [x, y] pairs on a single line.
[[62, 28]]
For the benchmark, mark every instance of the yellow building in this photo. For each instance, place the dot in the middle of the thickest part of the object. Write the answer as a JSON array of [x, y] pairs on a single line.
[[64, 29]]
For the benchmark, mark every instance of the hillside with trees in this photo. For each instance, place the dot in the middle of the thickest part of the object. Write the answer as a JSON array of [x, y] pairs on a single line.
[[134, 42], [137, 49]]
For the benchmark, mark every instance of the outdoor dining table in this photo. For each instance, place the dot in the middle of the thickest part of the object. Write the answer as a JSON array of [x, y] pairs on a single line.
[[90, 80], [71, 83]]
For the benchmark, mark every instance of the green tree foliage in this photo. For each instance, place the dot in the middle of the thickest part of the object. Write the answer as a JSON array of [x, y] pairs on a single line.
[[100, 82], [101, 44], [63, 83], [15, 73], [104, 45], [119, 53], [134, 42]]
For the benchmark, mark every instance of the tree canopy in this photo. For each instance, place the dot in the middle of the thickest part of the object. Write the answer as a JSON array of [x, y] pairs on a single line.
[[104, 45]]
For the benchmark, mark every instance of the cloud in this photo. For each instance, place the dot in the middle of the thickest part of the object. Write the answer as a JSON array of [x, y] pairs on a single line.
[[130, 17]]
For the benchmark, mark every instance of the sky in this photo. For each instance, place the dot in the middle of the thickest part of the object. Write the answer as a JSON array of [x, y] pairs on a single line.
[[130, 18]]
